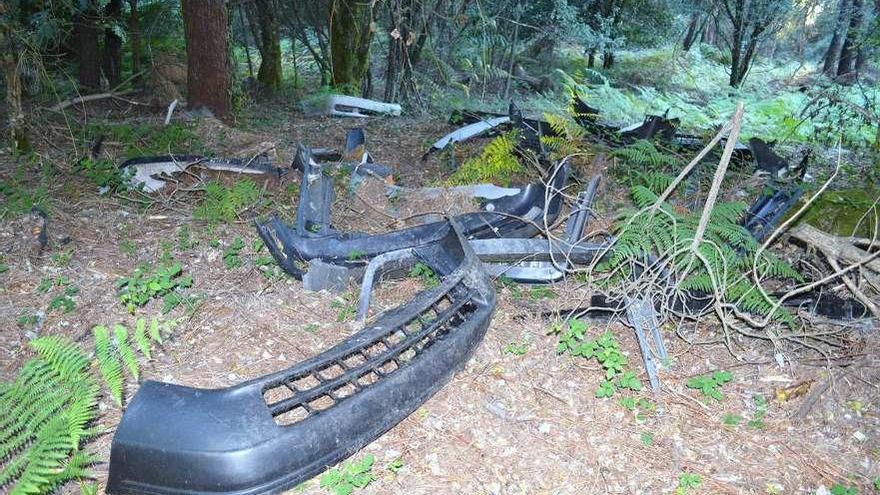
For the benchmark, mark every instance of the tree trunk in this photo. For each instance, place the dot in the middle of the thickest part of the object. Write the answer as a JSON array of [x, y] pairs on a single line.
[[832, 54], [691, 34], [848, 52], [607, 59], [134, 33], [9, 64], [708, 35], [209, 75], [87, 33], [591, 58], [269, 73], [113, 45], [351, 31]]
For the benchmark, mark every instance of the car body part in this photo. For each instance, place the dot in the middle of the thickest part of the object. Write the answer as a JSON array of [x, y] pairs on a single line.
[[325, 276], [763, 216], [274, 432], [315, 196], [643, 318], [541, 261], [352, 106], [521, 215], [654, 126], [385, 262], [146, 172], [469, 131], [476, 191]]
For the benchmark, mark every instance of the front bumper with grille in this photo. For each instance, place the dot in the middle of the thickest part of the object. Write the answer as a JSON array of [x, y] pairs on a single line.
[[274, 432]]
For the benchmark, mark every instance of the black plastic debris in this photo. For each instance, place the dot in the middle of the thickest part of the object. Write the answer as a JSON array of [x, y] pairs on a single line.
[[274, 432], [764, 215], [520, 215]]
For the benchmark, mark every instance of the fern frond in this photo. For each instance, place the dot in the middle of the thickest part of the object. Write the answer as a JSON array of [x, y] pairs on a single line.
[[125, 350], [154, 331], [141, 339], [108, 363]]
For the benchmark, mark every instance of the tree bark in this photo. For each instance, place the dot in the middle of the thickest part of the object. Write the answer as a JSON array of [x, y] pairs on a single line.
[[209, 75], [691, 34], [351, 31], [9, 65], [134, 33], [269, 73], [86, 25], [113, 45], [848, 52], [832, 54]]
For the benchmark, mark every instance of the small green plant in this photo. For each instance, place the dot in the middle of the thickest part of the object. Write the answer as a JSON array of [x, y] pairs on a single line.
[[638, 406], [145, 284], [20, 197], [516, 348], [424, 273], [345, 308], [687, 482], [128, 247], [222, 204], [312, 328], [877, 484], [27, 320], [710, 385], [757, 421], [104, 174], [538, 293], [839, 489], [166, 253], [647, 438], [605, 350], [231, 256], [62, 259], [115, 351], [3, 266], [356, 255], [731, 419], [352, 475], [64, 301], [184, 238], [395, 465], [268, 267]]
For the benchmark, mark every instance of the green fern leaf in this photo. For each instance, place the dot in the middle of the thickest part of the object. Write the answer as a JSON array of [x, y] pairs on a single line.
[[140, 337], [108, 363], [125, 350]]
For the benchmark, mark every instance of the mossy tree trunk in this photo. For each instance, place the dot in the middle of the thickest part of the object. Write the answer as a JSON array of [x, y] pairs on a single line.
[[269, 73], [209, 74], [351, 31], [9, 66]]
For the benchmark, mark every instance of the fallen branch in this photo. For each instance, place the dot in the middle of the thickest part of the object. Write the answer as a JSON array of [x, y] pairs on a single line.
[[856, 292], [84, 99], [834, 246]]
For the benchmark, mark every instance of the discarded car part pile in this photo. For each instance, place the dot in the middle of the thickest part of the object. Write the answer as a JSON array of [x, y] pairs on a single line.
[[146, 173], [521, 215], [274, 432]]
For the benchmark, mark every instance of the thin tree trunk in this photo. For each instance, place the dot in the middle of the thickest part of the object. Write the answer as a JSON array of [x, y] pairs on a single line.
[[245, 42], [9, 61], [691, 34], [848, 55], [113, 45], [270, 45], [209, 75], [832, 54], [134, 33], [87, 35]]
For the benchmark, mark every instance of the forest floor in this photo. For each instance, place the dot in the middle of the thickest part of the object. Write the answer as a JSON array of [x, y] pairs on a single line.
[[521, 422]]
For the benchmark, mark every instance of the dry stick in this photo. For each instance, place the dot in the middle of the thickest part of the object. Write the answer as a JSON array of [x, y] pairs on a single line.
[[875, 310], [87, 98], [736, 124], [702, 154], [832, 245]]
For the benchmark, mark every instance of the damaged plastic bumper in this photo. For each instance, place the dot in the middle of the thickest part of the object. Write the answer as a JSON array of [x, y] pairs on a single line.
[[521, 215], [271, 433]]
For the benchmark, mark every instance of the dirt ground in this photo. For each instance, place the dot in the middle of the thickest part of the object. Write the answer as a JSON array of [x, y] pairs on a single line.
[[507, 423]]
